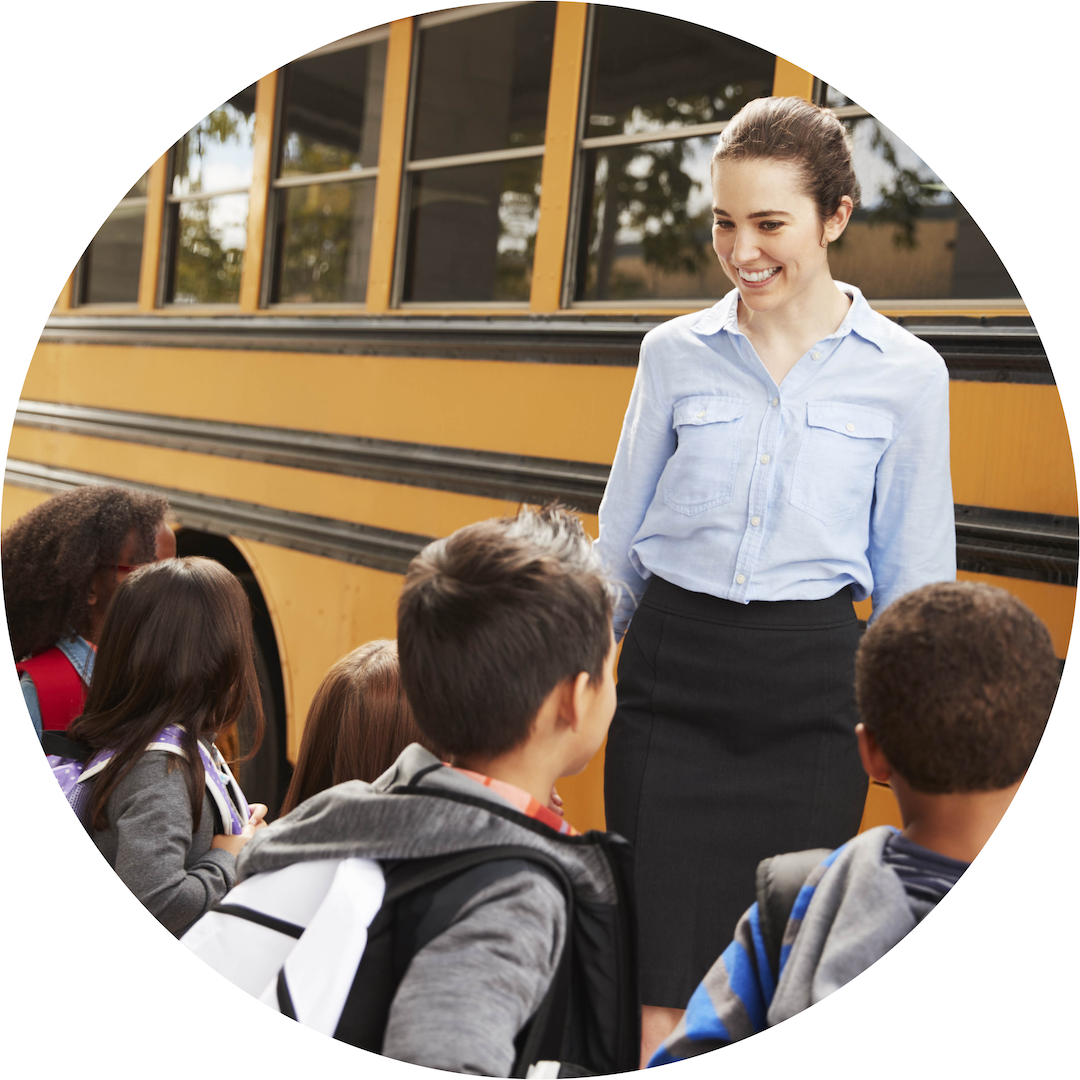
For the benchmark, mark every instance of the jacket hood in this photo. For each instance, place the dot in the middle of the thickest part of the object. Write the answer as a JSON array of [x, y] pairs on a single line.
[[419, 808], [859, 910]]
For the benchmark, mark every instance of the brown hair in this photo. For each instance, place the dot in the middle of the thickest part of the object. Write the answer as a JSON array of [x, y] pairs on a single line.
[[176, 648], [808, 136], [492, 619], [955, 681], [358, 723], [50, 556]]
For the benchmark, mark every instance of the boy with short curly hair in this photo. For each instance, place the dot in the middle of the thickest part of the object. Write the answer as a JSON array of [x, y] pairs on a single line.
[[954, 682]]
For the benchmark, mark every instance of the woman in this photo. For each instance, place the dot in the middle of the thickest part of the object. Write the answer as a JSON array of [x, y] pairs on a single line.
[[175, 669], [784, 452]]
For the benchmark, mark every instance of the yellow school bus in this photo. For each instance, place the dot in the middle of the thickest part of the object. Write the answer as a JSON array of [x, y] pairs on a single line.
[[399, 285]]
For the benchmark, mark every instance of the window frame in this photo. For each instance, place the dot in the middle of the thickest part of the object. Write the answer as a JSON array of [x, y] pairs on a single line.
[[409, 167], [279, 184]]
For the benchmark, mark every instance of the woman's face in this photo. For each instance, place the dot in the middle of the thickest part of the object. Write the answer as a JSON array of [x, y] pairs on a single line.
[[767, 233]]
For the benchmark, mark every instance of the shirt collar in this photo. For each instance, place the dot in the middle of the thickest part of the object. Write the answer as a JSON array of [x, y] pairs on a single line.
[[521, 800], [81, 654], [861, 318]]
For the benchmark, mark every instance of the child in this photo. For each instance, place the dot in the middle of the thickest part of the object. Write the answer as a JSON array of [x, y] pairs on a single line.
[[358, 723], [507, 658], [954, 683], [62, 562], [174, 670]]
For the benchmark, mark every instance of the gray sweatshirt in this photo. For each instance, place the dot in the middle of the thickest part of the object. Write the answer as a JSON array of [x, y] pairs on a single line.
[[468, 993], [152, 845]]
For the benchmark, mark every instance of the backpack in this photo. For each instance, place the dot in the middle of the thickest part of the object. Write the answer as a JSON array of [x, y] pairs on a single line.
[[779, 880], [74, 765], [60, 689], [359, 923]]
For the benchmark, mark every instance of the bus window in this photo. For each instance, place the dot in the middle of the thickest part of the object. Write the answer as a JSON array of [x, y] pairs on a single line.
[[208, 204], [910, 238], [473, 194], [328, 162], [645, 225], [109, 271]]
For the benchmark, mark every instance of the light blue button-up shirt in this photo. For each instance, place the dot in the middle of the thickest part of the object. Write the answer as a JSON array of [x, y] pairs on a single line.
[[727, 484]]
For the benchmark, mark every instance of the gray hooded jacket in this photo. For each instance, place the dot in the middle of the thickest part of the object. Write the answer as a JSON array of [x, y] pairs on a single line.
[[468, 993]]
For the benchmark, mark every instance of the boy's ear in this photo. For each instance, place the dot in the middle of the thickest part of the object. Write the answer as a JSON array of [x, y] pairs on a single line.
[[873, 760], [577, 699]]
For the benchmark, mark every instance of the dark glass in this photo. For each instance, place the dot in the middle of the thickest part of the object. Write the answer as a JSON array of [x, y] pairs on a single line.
[[650, 73], [833, 99], [110, 267], [647, 230], [471, 232], [483, 82], [331, 112], [218, 152], [910, 238], [209, 237], [141, 188], [324, 243]]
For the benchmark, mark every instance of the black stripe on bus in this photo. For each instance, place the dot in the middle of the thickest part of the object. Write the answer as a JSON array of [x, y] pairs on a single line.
[[380, 549], [508, 477], [1038, 547], [982, 350]]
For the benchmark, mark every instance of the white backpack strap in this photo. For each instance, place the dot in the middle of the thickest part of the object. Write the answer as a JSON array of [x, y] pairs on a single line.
[[250, 953], [318, 971]]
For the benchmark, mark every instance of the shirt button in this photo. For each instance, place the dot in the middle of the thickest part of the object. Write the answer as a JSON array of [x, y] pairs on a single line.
[[701, 414], [764, 459], [775, 402], [740, 579], [815, 356], [851, 426], [755, 521]]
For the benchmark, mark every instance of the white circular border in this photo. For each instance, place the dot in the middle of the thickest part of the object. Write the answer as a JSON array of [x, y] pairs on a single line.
[[91, 980]]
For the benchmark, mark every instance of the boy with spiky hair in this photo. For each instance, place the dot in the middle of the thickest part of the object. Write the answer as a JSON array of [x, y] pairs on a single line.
[[507, 658], [954, 683]]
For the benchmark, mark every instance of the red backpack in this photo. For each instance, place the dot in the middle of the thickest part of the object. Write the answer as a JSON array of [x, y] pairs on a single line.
[[60, 690]]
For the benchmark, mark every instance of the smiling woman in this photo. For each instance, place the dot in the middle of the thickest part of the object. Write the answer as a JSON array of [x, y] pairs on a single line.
[[784, 452]]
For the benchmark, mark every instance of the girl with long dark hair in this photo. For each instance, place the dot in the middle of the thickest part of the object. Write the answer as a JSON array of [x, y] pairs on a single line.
[[358, 723], [175, 669]]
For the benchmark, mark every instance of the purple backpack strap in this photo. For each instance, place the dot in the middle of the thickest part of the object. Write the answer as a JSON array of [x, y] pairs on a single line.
[[72, 774]]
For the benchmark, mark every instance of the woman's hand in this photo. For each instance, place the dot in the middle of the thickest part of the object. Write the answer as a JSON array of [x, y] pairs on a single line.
[[555, 803], [236, 843]]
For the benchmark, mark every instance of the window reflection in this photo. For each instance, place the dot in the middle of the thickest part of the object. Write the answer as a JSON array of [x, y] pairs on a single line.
[[472, 230], [210, 238], [482, 82], [651, 73], [109, 270], [217, 153], [649, 229], [324, 242], [910, 238], [332, 107]]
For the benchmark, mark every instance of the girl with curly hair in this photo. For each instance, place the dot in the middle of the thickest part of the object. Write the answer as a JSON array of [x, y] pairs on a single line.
[[61, 564]]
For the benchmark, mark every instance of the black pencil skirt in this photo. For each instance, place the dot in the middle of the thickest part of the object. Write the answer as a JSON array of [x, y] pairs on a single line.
[[733, 740]]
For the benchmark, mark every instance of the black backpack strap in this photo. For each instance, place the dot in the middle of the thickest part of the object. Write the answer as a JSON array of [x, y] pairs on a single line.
[[61, 744], [422, 898], [779, 880], [260, 917]]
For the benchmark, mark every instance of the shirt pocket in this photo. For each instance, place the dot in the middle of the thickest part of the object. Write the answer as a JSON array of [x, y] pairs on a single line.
[[701, 472], [837, 461]]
